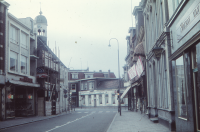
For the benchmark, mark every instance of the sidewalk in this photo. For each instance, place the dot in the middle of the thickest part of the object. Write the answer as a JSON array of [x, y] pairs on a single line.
[[25, 120], [134, 122]]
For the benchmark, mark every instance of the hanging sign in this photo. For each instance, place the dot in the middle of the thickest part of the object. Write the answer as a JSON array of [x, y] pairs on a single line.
[[139, 67], [10, 96], [132, 72]]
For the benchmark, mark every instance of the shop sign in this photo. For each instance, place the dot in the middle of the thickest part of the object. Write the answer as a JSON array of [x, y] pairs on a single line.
[[26, 79], [139, 67], [190, 18], [132, 72]]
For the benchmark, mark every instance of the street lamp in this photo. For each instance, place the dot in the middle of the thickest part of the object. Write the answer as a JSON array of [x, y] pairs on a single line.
[[118, 73]]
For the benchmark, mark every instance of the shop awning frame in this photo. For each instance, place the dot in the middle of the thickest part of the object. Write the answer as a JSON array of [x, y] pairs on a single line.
[[127, 89]]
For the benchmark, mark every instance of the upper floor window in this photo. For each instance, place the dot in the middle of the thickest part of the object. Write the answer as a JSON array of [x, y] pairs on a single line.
[[106, 75], [23, 64], [73, 87], [88, 75], [23, 40], [13, 61], [13, 35], [74, 75]]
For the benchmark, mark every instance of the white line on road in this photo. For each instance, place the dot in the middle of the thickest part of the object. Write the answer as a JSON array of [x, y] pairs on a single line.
[[69, 122]]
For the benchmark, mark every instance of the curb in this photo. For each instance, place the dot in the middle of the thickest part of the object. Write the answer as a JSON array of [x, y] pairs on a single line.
[[3, 128], [111, 123]]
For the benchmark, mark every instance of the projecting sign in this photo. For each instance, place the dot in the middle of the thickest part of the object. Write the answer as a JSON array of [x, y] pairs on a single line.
[[139, 67], [132, 72]]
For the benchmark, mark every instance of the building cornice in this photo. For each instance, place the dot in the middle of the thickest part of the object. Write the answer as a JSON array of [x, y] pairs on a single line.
[[176, 13], [17, 21]]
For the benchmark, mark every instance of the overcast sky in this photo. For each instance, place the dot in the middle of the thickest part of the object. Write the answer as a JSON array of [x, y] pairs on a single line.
[[82, 29]]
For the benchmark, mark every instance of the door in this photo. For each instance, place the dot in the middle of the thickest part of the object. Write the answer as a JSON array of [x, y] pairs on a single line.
[[94, 102], [41, 106], [195, 65]]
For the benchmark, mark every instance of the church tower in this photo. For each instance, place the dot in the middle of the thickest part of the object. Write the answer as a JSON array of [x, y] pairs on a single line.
[[41, 27]]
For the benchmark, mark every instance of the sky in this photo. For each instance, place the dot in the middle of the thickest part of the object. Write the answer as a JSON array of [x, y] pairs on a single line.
[[82, 29]]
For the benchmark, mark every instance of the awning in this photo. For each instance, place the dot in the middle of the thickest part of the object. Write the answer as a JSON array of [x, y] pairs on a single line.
[[24, 83], [122, 96], [127, 89]]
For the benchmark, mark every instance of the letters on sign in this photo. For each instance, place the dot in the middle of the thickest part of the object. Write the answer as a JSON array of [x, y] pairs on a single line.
[[26, 79]]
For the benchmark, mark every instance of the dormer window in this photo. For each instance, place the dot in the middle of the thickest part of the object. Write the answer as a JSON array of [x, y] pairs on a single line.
[[106, 75], [74, 75], [88, 75]]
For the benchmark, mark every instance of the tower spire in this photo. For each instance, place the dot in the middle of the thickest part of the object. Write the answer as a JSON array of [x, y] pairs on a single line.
[[40, 9]]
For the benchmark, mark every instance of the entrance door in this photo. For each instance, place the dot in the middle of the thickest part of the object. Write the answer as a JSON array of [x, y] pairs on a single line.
[[41, 106], [94, 102], [195, 66]]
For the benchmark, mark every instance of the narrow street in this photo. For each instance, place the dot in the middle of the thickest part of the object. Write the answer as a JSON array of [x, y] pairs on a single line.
[[80, 120]]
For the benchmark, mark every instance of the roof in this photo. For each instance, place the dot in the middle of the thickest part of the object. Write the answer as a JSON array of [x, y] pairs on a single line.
[[40, 18], [139, 51]]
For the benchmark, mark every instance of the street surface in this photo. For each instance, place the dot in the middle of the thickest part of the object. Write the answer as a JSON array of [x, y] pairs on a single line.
[[81, 120]]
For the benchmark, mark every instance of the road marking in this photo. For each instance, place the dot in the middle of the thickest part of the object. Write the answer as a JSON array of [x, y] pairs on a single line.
[[79, 112], [100, 111], [107, 111], [85, 112], [69, 122]]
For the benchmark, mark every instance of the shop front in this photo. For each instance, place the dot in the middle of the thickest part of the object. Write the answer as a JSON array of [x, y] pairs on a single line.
[[185, 60], [19, 101]]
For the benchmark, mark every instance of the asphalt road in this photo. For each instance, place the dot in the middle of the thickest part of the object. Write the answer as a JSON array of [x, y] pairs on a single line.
[[81, 120]]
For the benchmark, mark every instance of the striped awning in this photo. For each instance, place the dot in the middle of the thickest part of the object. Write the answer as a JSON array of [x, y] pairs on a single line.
[[127, 89]]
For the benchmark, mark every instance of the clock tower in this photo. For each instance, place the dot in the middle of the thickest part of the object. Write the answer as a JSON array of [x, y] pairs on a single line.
[[41, 27]]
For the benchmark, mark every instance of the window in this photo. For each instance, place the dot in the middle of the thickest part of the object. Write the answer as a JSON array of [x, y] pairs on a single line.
[[73, 87], [85, 86], [181, 89], [106, 75], [13, 61], [74, 75], [23, 64], [82, 85], [13, 35], [106, 99], [89, 99], [100, 99], [91, 85], [113, 98], [88, 75], [23, 40]]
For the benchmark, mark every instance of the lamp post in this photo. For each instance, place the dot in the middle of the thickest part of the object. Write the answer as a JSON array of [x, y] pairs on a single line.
[[118, 74]]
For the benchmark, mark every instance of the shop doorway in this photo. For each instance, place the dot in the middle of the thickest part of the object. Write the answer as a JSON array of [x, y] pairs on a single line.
[[196, 87], [24, 101]]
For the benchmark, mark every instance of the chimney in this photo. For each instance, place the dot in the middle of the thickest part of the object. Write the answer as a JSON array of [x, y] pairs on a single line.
[[108, 73], [100, 70]]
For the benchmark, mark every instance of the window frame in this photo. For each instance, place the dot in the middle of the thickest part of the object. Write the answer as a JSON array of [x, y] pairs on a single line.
[[25, 64], [185, 88], [16, 62]]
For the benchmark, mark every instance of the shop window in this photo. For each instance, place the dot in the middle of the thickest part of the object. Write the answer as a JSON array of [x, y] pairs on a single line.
[[10, 102], [23, 41], [100, 99], [113, 99], [89, 99], [23, 64], [181, 89], [106, 99], [13, 61]]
